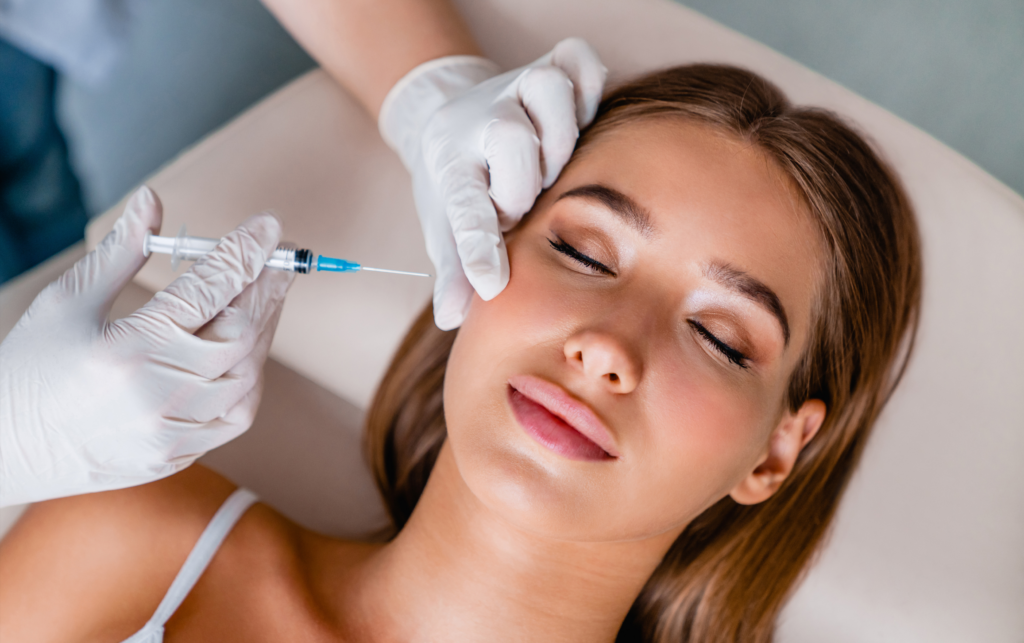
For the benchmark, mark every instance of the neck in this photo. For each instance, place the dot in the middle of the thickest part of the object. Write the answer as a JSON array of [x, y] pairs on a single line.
[[457, 571]]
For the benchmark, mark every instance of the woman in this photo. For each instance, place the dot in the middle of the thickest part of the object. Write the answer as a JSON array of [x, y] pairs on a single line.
[[644, 437]]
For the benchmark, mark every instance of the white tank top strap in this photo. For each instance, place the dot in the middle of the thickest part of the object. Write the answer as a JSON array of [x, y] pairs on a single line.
[[198, 559]]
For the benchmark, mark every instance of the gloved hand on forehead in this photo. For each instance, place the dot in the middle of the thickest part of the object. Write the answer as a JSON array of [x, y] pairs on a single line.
[[88, 405], [480, 147]]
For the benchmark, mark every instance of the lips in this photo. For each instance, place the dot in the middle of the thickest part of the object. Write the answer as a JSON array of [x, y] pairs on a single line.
[[558, 421]]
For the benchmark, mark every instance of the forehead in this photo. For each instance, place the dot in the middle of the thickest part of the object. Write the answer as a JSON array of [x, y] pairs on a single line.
[[675, 158], [712, 197]]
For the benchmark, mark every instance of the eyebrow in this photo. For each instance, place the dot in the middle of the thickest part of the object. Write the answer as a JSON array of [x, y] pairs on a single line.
[[751, 288], [632, 212]]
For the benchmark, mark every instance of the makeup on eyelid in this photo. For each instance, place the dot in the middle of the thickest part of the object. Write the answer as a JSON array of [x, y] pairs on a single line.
[[597, 235], [753, 330], [570, 251], [591, 240], [727, 348]]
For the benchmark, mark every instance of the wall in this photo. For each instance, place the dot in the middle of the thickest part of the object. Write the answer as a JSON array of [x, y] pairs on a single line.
[[954, 68]]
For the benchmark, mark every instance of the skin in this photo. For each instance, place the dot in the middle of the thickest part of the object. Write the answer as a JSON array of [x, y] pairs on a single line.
[[368, 45], [510, 540]]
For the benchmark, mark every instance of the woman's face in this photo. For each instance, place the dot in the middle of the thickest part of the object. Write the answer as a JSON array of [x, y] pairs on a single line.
[[633, 372]]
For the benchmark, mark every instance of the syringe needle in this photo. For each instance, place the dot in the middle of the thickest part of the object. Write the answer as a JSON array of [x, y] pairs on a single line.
[[396, 272], [332, 264]]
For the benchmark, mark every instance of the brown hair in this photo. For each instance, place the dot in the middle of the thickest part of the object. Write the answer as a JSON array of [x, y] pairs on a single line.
[[729, 573]]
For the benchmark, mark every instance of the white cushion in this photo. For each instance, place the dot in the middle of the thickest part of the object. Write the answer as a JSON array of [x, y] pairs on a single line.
[[929, 541]]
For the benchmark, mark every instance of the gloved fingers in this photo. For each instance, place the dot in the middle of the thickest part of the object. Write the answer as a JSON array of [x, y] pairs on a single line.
[[452, 291], [218, 345], [474, 223], [442, 250], [512, 151], [213, 399], [236, 329], [547, 94], [214, 281], [97, 278], [583, 66], [237, 420], [452, 298], [195, 440]]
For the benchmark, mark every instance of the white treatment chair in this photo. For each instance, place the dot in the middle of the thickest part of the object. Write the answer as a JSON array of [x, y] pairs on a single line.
[[929, 542]]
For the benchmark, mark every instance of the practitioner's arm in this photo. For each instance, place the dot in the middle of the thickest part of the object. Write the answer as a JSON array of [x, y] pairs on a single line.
[[480, 146], [368, 45]]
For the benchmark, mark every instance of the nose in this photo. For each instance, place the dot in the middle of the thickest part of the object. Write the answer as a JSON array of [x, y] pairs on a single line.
[[603, 357]]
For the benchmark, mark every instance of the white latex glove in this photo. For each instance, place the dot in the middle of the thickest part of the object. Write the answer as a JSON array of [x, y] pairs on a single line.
[[480, 147], [89, 405]]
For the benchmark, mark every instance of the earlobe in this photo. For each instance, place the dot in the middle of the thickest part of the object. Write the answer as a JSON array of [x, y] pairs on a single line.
[[792, 434]]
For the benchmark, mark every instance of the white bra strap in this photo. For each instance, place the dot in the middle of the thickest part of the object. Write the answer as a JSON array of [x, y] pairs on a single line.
[[203, 551]]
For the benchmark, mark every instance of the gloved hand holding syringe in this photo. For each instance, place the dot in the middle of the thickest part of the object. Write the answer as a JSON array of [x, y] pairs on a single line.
[[300, 260], [89, 403]]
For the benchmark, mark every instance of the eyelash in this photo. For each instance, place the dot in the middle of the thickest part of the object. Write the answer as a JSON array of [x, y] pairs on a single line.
[[733, 355], [579, 257]]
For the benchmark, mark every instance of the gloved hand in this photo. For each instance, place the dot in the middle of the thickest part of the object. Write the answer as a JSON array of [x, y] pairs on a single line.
[[89, 405], [480, 147]]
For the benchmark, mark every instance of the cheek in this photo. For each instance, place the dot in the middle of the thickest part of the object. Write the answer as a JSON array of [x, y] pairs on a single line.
[[522, 330], [539, 301], [498, 338], [535, 310], [703, 436]]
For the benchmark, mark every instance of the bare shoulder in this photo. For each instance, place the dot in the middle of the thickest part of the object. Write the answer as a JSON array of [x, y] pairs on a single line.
[[272, 580], [95, 567]]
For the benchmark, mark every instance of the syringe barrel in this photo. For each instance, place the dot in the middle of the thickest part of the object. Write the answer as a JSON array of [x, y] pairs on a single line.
[[181, 247], [289, 258], [187, 248], [193, 248]]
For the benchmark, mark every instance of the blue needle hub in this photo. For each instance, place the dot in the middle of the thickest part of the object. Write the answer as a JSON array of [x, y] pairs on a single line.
[[336, 265]]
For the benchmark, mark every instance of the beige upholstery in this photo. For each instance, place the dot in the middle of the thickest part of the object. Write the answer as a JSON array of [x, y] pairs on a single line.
[[929, 542]]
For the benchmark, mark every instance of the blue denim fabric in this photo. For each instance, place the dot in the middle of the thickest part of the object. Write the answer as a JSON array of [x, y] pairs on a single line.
[[41, 208]]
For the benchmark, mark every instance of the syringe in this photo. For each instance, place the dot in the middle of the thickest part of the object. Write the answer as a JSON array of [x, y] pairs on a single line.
[[183, 247]]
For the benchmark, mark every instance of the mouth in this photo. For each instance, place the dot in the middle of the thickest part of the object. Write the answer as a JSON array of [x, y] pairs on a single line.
[[559, 422]]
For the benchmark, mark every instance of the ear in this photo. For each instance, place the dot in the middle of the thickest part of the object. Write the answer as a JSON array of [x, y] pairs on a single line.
[[794, 431]]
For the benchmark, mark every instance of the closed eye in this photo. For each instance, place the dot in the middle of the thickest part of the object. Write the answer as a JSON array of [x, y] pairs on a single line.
[[561, 246], [733, 355]]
